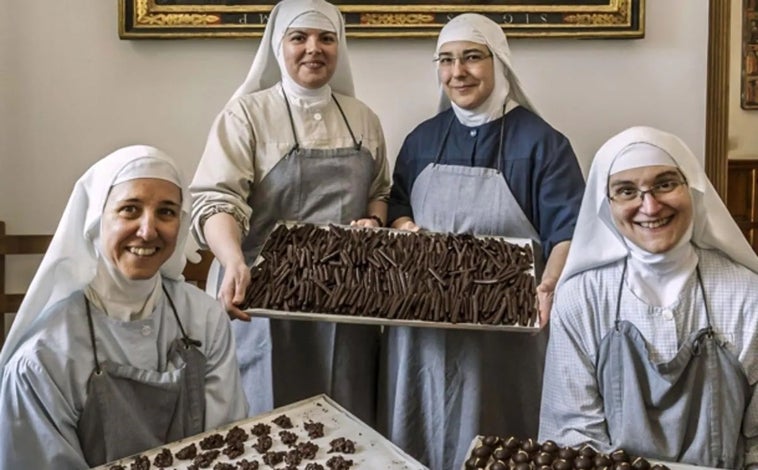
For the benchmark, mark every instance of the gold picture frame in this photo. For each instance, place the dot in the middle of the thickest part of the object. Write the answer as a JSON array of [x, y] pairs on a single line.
[[168, 19], [749, 95]]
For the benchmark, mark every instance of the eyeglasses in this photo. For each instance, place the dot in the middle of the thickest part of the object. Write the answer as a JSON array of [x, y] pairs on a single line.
[[628, 194], [468, 59]]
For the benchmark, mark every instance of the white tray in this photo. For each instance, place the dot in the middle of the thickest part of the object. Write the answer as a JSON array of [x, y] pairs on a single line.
[[336, 318], [366, 320], [372, 450]]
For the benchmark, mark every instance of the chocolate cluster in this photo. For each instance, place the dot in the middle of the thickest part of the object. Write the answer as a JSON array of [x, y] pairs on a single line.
[[385, 274], [496, 453], [280, 443]]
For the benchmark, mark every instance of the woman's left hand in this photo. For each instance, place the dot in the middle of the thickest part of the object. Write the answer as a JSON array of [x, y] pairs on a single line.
[[545, 300]]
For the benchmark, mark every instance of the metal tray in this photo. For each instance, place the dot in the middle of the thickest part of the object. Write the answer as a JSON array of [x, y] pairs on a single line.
[[372, 450], [366, 320]]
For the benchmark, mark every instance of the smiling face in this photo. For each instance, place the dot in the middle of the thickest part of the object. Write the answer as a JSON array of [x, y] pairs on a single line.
[[467, 85], [140, 226], [657, 222], [310, 56]]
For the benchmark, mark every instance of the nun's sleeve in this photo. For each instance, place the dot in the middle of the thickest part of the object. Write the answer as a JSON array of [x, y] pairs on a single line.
[[225, 173], [559, 187], [380, 184], [572, 411], [402, 184], [37, 422]]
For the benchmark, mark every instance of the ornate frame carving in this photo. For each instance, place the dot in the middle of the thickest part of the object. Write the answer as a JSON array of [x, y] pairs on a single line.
[[424, 18]]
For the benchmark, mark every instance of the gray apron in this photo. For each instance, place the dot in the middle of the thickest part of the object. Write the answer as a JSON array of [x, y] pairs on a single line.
[[308, 358], [129, 410], [688, 409], [444, 387]]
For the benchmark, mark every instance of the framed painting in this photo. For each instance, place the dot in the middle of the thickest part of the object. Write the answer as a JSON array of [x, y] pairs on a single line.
[[157, 19], [749, 95]]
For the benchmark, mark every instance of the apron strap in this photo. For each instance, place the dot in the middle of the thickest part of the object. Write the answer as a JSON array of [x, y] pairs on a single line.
[[500, 143], [705, 300], [444, 140], [349, 129], [98, 371], [618, 298], [186, 339], [292, 122]]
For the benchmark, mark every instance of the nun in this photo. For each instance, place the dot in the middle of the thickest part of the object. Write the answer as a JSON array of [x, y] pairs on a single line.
[[111, 352], [653, 334], [293, 144], [487, 164]]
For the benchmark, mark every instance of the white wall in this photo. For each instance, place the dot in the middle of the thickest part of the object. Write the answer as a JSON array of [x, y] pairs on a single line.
[[72, 91], [743, 124]]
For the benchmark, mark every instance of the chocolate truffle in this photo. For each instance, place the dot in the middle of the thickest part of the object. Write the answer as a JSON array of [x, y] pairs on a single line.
[[582, 462], [619, 455], [567, 453], [562, 464], [530, 446], [520, 456], [550, 446], [482, 451], [512, 443], [502, 453], [491, 441], [602, 460], [588, 451], [544, 458], [499, 465]]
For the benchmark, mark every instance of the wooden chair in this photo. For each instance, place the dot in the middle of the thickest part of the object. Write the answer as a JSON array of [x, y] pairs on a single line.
[[37, 245], [197, 274], [15, 245]]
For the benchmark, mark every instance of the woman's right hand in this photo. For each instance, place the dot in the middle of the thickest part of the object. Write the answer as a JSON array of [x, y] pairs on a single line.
[[233, 289], [406, 223]]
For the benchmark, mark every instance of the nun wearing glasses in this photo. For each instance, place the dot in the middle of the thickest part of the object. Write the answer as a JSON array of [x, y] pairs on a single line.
[[487, 164], [653, 345], [293, 144]]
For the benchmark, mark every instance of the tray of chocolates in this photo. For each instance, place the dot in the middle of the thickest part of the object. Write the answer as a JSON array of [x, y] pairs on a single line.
[[313, 434], [391, 277], [511, 453]]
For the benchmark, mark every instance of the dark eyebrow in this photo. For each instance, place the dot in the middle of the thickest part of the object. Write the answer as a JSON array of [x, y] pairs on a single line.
[[465, 51], [136, 200], [665, 174]]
